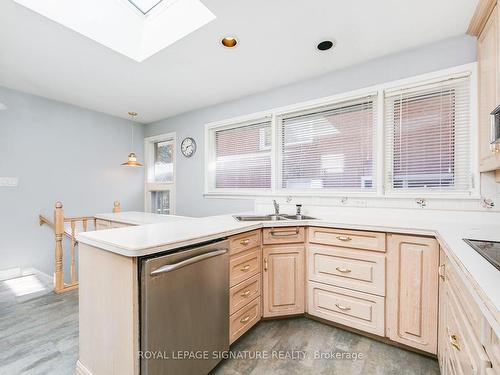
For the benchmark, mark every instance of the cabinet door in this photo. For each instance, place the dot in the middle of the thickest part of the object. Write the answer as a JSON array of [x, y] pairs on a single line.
[[488, 61], [412, 291], [283, 280]]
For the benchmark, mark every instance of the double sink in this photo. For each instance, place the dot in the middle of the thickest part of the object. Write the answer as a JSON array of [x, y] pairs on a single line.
[[272, 217]]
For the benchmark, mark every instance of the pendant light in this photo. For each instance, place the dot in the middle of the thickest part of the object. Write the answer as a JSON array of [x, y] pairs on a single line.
[[132, 157]]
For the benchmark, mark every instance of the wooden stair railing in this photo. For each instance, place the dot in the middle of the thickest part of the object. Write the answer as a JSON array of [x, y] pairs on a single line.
[[60, 231]]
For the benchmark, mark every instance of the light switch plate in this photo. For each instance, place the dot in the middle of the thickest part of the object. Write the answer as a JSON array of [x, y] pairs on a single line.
[[9, 181]]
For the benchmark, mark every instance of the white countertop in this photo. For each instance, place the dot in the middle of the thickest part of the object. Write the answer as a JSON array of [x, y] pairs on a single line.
[[164, 233]]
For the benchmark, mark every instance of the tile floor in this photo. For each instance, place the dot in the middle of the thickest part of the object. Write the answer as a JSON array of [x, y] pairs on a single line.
[[40, 336]]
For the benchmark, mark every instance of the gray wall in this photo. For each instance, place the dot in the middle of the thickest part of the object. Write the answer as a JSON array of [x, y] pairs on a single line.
[[59, 152], [190, 172]]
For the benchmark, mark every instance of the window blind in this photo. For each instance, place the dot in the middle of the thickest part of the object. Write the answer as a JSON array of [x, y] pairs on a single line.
[[427, 131], [243, 157], [329, 147]]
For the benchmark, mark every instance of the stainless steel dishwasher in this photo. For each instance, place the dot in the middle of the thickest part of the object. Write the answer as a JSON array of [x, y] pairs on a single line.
[[184, 316]]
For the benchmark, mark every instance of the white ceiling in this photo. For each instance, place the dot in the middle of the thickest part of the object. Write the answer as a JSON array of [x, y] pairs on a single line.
[[277, 47], [121, 26]]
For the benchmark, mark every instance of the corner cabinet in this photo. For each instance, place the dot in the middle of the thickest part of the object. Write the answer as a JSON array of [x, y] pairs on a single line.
[[283, 276], [412, 291], [485, 26]]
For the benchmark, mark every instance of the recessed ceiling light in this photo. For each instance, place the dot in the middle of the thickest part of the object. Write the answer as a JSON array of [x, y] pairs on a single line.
[[325, 45], [229, 41]]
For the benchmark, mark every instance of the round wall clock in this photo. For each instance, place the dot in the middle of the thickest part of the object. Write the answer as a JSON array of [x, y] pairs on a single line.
[[188, 147]]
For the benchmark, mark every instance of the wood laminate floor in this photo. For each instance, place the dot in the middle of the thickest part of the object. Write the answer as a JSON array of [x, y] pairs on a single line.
[[40, 336]]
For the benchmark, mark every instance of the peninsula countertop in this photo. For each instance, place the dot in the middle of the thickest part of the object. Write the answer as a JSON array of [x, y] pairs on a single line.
[[158, 233]]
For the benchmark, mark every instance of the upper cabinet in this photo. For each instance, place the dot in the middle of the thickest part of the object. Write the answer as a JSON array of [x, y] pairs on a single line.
[[484, 26]]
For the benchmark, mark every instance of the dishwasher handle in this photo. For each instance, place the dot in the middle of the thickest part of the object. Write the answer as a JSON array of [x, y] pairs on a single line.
[[175, 266]]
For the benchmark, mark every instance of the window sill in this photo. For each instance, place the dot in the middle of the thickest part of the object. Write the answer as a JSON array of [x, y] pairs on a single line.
[[318, 194]]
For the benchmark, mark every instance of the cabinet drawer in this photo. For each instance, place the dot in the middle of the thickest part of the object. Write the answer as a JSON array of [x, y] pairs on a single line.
[[348, 268], [348, 238], [283, 235], [244, 319], [465, 299], [353, 309], [102, 224], [468, 355], [244, 265], [244, 241], [244, 292]]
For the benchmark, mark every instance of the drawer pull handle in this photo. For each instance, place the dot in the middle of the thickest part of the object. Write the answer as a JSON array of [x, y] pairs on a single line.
[[343, 270], [441, 272], [454, 342], [246, 294], [265, 264], [245, 242], [284, 233], [344, 238], [245, 319], [246, 268], [343, 308]]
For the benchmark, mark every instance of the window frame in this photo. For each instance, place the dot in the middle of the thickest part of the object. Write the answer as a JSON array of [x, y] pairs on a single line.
[[380, 170], [149, 186], [277, 129], [210, 155]]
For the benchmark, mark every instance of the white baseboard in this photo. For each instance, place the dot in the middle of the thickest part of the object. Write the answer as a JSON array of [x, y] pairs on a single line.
[[81, 369], [12, 273]]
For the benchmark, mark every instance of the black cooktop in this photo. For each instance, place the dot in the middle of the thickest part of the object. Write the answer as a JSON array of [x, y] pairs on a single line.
[[488, 249]]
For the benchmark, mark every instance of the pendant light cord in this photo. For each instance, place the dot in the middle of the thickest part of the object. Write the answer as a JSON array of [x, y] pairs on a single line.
[[132, 117]]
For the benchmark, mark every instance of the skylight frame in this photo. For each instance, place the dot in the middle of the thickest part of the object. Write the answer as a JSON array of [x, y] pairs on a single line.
[[133, 3], [122, 27]]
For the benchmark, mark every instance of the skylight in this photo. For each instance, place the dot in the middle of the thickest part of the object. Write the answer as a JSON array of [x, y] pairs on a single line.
[[128, 27], [145, 5]]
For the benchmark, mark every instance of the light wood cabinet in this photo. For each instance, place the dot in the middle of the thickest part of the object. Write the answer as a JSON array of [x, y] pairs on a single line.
[[283, 280], [489, 75], [462, 327], [241, 321], [484, 25], [467, 354], [245, 281], [357, 239], [347, 268], [350, 308], [244, 292], [412, 291], [244, 241], [244, 265], [283, 235]]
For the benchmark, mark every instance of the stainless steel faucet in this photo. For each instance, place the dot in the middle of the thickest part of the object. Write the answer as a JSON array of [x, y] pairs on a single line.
[[299, 210], [276, 207]]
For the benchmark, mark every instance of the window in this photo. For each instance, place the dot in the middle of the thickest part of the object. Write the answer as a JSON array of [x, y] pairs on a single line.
[[242, 156], [160, 202], [164, 161], [160, 177], [427, 137], [411, 138], [329, 148]]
